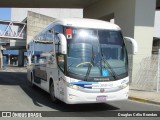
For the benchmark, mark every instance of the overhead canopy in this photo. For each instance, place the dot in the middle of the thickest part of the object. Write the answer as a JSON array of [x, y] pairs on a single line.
[[51, 3], [47, 3]]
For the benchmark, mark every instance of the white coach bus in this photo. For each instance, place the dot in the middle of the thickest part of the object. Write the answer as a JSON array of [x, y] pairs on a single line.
[[81, 61]]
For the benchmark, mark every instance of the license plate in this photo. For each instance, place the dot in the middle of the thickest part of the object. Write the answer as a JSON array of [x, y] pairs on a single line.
[[101, 98]]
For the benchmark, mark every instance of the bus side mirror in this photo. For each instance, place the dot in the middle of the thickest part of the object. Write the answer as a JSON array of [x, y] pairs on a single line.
[[63, 43], [131, 45]]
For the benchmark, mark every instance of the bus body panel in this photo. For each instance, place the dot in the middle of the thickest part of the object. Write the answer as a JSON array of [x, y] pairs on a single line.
[[98, 92], [71, 90], [83, 97]]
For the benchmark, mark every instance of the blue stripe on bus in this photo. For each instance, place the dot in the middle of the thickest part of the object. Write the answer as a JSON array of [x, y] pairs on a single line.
[[82, 84], [86, 83]]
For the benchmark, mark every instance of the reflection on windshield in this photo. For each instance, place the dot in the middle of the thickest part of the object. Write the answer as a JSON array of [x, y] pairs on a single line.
[[82, 43]]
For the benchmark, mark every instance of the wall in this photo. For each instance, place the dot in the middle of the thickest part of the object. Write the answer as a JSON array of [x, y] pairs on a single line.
[[36, 23], [18, 14], [157, 24]]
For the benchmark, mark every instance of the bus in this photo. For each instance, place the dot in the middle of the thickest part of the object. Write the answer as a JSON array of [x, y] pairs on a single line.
[[81, 61]]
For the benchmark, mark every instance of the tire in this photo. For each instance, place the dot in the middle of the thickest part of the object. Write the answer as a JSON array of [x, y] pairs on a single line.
[[31, 83], [52, 94]]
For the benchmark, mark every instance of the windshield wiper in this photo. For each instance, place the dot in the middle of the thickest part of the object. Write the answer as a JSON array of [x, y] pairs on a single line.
[[90, 65], [108, 65]]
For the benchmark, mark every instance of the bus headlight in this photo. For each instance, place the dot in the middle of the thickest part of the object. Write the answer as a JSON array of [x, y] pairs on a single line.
[[76, 87], [73, 86], [123, 85]]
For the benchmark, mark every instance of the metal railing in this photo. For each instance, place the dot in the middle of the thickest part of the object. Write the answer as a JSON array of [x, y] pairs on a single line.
[[10, 32], [148, 74]]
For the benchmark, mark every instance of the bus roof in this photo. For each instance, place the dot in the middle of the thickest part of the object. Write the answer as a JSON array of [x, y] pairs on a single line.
[[87, 23]]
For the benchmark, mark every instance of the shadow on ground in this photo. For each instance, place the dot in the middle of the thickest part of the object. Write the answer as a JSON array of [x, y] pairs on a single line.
[[40, 97]]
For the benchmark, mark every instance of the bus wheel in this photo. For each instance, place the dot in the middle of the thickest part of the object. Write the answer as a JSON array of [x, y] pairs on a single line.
[[52, 94]]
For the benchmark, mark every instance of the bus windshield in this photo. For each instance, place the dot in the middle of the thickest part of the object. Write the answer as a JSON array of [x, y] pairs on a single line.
[[95, 53]]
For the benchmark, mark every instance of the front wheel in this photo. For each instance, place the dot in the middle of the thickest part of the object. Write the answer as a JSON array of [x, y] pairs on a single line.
[[32, 79], [52, 94]]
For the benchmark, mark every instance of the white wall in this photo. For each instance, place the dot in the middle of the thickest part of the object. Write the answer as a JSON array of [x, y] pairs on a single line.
[[18, 14], [157, 24]]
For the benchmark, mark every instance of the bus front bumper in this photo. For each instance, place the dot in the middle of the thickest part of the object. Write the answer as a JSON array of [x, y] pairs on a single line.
[[73, 96]]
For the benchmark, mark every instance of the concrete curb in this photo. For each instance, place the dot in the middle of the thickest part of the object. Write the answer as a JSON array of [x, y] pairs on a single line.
[[144, 100]]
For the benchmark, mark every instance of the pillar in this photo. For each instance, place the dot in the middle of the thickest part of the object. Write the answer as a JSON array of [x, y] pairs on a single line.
[[9, 61], [1, 58], [21, 58], [29, 59], [143, 32], [138, 24], [35, 59]]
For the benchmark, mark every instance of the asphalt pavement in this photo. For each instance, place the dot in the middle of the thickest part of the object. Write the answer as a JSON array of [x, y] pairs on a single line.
[[16, 94], [134, 94]]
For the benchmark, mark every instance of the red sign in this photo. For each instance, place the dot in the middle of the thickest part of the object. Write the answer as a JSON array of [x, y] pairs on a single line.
[[69, 33]]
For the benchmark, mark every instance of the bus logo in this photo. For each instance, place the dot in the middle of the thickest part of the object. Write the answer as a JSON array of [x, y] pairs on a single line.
[[102, 90]]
